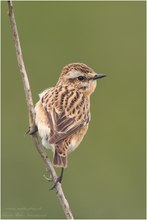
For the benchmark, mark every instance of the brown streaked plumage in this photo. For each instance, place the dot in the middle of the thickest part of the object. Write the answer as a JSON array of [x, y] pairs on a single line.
[[63, 111]]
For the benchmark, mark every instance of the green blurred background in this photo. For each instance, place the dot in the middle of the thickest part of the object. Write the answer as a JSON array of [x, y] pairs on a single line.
[[105, 177]]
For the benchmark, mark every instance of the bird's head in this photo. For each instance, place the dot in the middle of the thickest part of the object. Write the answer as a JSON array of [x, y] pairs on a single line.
[[81, 77]]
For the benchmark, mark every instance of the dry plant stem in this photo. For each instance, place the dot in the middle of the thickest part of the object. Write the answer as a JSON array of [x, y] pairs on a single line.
[[27, 89], [21, 66]]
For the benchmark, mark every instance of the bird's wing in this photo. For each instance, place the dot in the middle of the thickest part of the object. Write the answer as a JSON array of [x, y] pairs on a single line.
[[64, 123], [62, 126]]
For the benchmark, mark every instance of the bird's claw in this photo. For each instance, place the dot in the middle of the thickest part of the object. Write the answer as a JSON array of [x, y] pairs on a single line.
[[31, 132], [58, 180]]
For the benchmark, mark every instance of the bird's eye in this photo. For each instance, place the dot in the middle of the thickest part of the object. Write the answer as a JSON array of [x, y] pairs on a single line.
[[81, 78]]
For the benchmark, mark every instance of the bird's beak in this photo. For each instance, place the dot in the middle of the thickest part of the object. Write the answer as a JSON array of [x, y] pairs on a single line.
[[98, 76]]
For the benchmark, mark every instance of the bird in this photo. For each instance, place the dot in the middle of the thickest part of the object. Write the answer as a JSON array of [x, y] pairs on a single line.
[[62, 114]]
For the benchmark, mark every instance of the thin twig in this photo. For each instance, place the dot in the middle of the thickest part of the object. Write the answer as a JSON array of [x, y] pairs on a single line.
[[60, 194]]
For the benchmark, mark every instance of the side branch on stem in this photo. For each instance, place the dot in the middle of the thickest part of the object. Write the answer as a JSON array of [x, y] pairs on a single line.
[[60, 194]]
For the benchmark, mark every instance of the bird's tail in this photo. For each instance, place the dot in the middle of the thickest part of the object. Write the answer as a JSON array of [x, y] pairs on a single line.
[[59, 161]]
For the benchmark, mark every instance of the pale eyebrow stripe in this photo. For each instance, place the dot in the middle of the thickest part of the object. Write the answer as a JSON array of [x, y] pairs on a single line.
[[73, 74]]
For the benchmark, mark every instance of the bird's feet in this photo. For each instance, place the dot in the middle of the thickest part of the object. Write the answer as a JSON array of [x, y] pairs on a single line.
[[31, 132], [58, 180]]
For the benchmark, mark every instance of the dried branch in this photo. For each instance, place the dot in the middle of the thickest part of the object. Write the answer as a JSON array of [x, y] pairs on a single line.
[[30, 105]]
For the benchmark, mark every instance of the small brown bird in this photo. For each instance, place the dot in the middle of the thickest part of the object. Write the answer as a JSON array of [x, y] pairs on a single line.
[[63, 111]]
